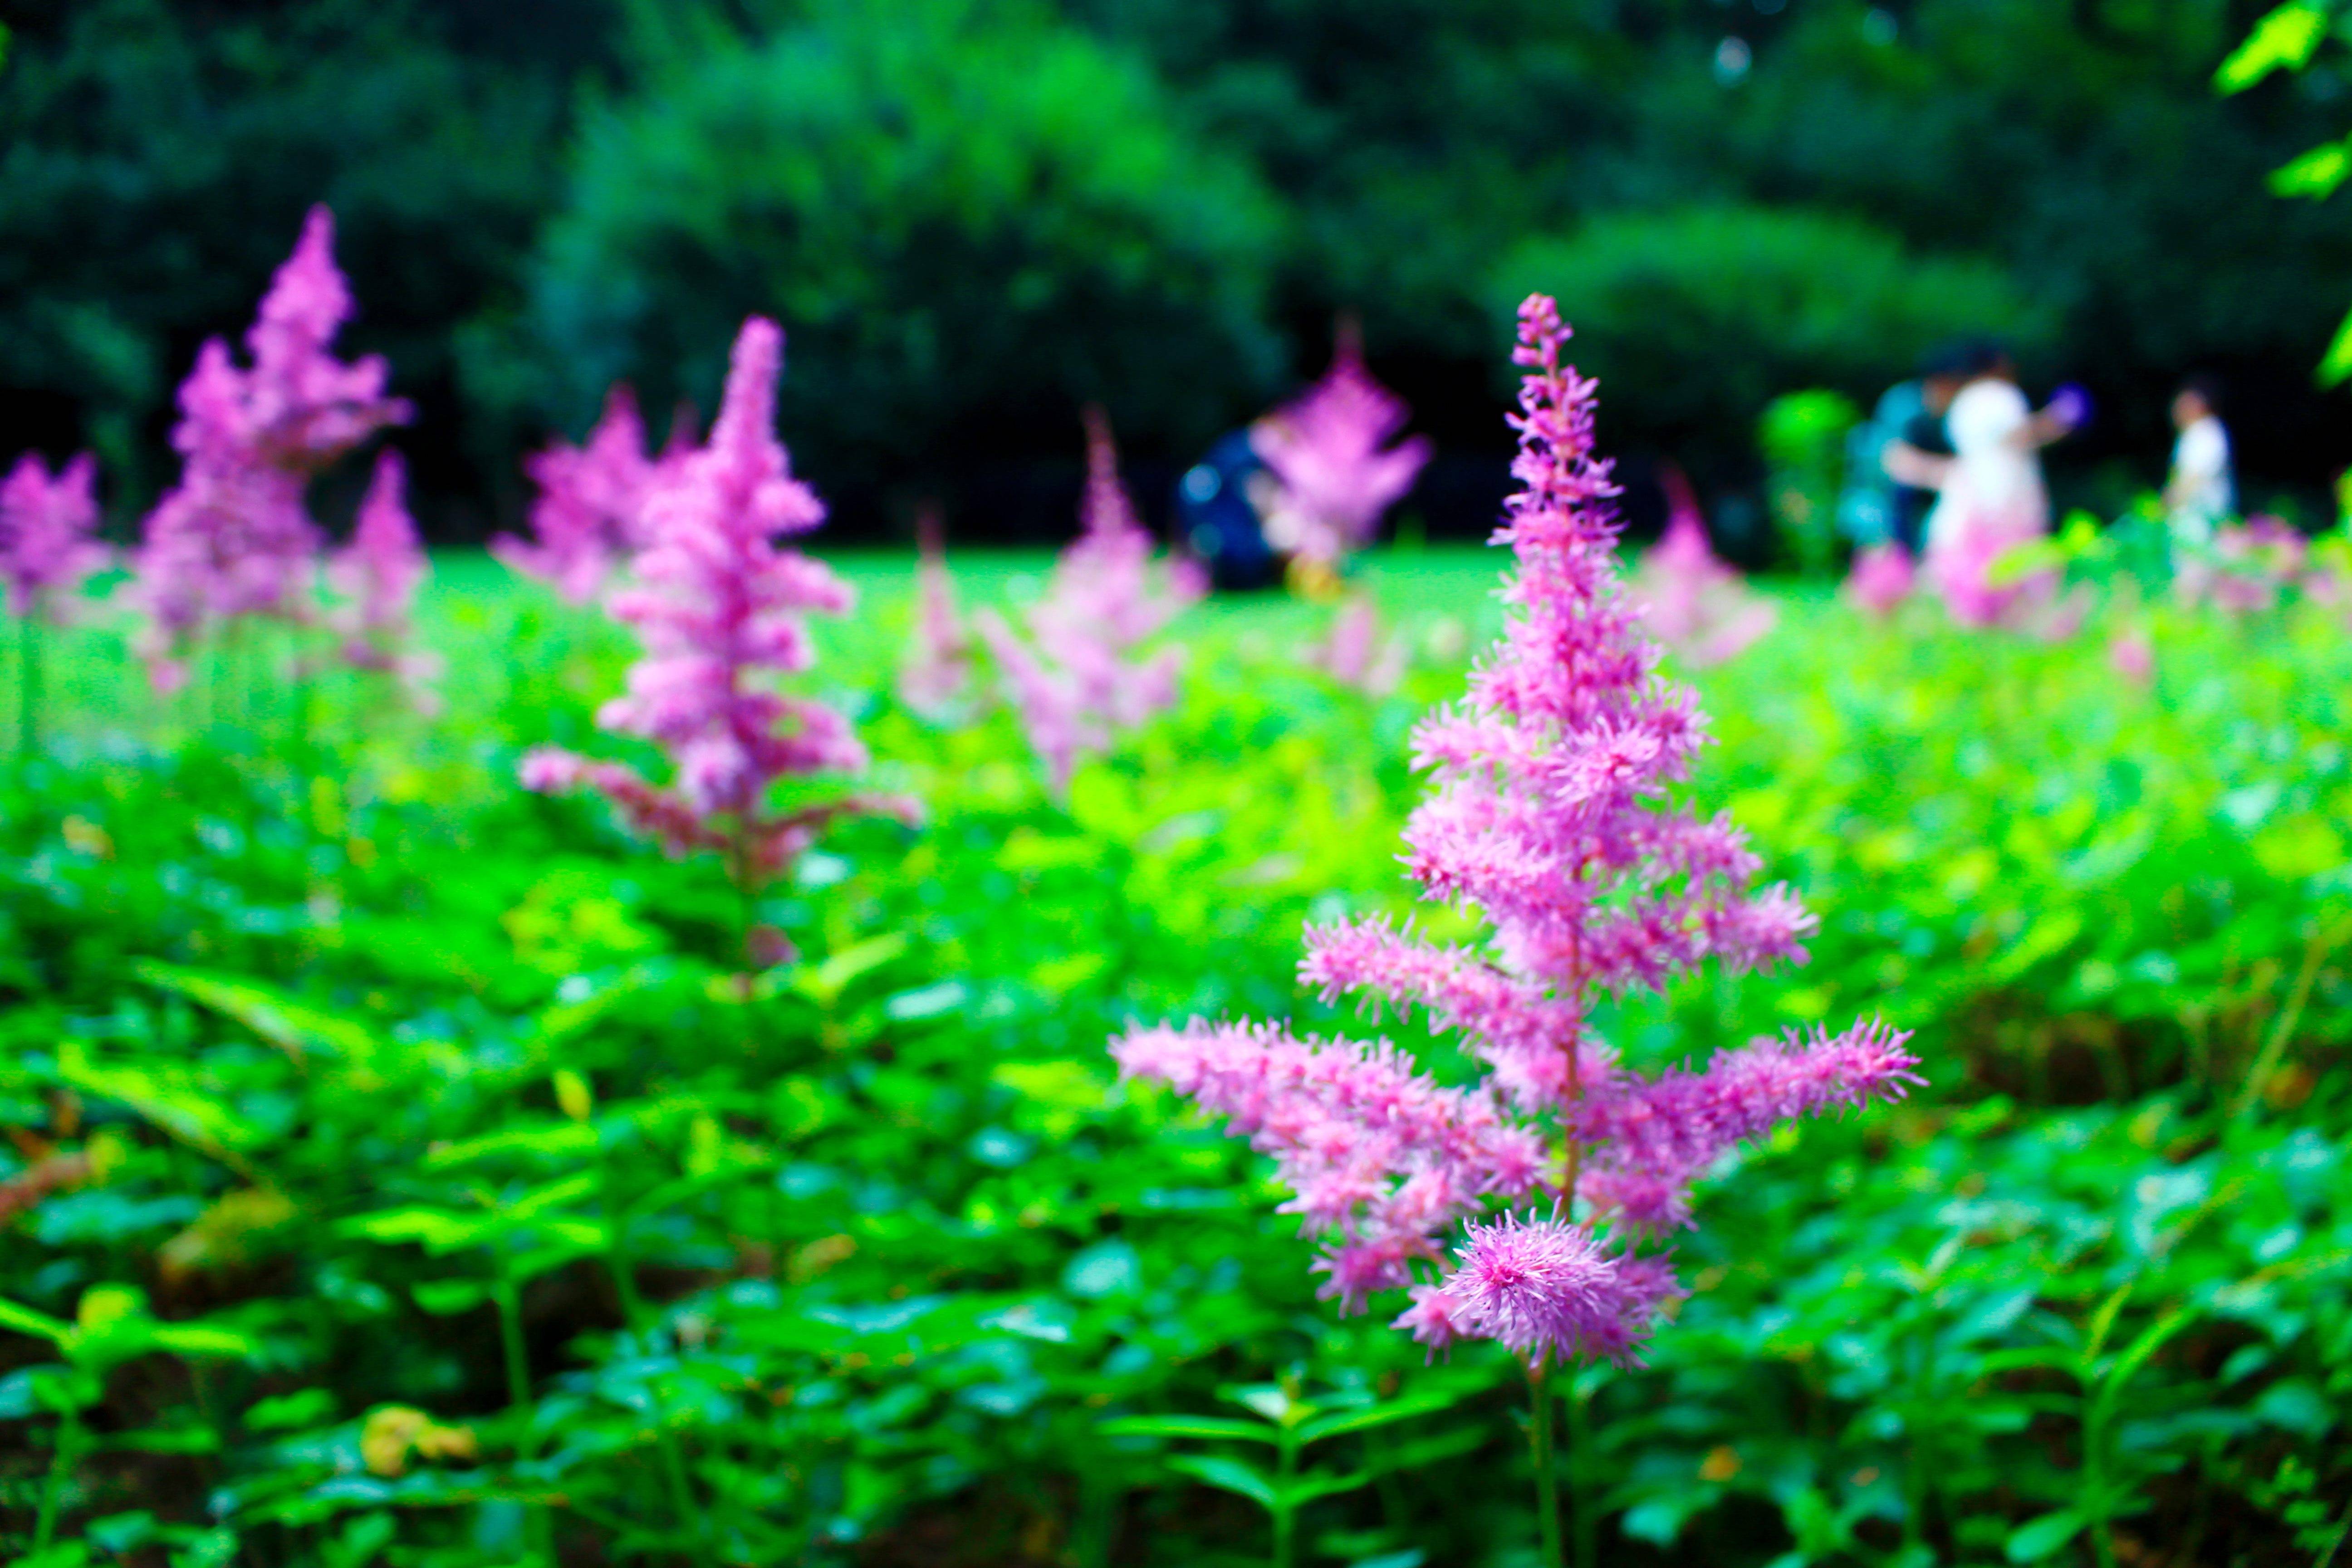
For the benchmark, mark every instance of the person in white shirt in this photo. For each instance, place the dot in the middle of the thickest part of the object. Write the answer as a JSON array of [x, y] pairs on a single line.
[[2201, 491], [1990, 492]]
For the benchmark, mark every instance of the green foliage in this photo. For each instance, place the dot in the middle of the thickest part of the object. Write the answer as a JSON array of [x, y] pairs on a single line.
[[484, 1212], [1720, 307], [952, 206], [1802, 436], [1206, 180]]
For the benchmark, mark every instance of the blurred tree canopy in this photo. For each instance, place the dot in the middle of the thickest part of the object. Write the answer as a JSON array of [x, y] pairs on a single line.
[[972, 215]]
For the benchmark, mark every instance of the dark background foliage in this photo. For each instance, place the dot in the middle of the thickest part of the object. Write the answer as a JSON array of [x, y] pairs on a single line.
[[973, 215]]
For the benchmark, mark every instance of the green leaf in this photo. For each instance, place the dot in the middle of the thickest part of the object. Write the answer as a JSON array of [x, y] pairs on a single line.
[[1210, 1427], [2314, 175], [19, 1320], [2285, 38], [1227, 1475], [175, 1109], [2338, 364], [824, 982], [448, 1298], [203, 1339], [1314, 1484], [1405, 1409], [438, 1230], [555, 1138], [2037, 1538], [291, 1026]]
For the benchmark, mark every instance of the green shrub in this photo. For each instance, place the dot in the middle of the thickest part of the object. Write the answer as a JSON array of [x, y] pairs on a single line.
[[962, 212]]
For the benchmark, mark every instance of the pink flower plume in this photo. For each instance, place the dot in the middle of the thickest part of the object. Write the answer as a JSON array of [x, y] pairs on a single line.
[[1881, 578], [588, 518], [48, 536], [1693, 601], [937, 675], [1076, 678], [378, 572], [1553, 817], [1331, 450], [1358, 652], [234, 537], [720, 610]]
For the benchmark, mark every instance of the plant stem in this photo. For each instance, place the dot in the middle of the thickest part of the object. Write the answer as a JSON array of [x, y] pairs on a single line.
[[1285, 1511], [28, 688], [1585, 1520], [1539, 1442], [2274, 1047], [633, 1310], [62, 1459], [541, 1524]]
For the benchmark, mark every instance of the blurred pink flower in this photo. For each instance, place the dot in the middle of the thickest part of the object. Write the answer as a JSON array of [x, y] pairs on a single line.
[[1881, 579], [1075, 679], [1550, 818], [2246, 567], [1330, 449], [588, 518], [2132, 655], [1358, 652], [47, 536], [234, 538], [937, 675], [379, 572], [719, 609], [1694, 602]]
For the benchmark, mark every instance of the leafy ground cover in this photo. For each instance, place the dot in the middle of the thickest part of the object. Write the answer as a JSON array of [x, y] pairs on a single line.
[[400, 1170]]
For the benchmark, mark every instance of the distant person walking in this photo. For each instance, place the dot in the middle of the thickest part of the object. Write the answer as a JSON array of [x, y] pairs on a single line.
[[2202, 490]]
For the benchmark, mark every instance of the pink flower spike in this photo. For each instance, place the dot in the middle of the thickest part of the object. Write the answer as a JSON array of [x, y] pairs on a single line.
[[720, 610], [1358, 654], [1694, 603], [234, 538], [1078, 678], [1553, 818], [937, 677], [47, 536], [1330, 450], [588, 519], [1881, 578], [379, 571]]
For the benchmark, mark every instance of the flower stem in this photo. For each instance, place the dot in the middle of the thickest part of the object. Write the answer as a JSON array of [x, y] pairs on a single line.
[[540, 1523], [1585, 1520], [622, 1269], [1539, 1442], [62, 1459]]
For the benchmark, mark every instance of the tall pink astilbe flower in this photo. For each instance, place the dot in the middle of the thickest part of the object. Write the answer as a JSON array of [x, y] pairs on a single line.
[[379, 572], [1331, 449], [1076, 680], [938, 677], [1549, 816], [588, 518], [1693, 601], [234, 538], [720, 611], [1882, 577], [48, 528]]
